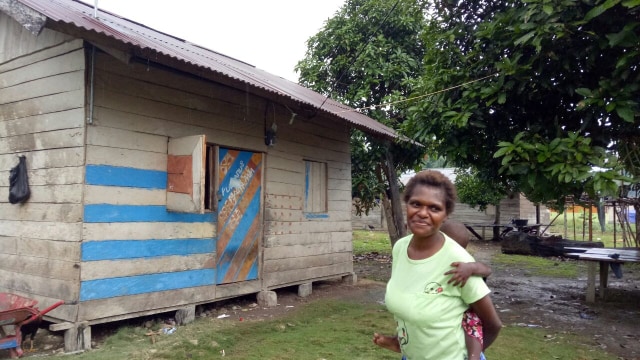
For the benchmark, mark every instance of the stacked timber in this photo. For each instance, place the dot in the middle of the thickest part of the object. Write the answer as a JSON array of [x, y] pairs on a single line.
[[521, 243]]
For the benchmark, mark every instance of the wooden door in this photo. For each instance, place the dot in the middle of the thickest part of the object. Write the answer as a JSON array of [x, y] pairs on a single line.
[[239, 216]]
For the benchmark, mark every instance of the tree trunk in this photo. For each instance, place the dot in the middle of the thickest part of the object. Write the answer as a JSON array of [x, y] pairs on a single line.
[[395, 215], [496, 220]]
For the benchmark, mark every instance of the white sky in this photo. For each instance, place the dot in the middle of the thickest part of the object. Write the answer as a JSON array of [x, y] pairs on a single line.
[[269, 34]]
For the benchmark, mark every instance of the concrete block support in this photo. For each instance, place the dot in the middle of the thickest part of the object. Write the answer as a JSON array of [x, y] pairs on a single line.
[[350, 279], [267, 298], [305, 289], [186, 315]]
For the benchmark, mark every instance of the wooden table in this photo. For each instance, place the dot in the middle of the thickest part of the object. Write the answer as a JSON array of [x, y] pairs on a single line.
[[604, 256], [507, 228]]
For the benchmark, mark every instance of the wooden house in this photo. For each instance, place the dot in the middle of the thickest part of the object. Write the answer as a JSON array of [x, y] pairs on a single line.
[[515, 207], [163, 175]]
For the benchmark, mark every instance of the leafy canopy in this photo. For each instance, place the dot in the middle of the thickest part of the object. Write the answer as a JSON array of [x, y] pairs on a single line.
[[560, 92], [366, 53]]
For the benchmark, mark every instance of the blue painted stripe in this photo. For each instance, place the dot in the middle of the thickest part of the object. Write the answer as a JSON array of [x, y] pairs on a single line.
[[143, 284], [246, 259], [133, 249], [100, 213], [307, 183], [238, 237], [106, 175], [240, 163], [253, 273], [316, 215], [240, 198], [9, 344]]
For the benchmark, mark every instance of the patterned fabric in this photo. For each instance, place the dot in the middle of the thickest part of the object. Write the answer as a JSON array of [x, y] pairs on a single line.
[[472, 325]]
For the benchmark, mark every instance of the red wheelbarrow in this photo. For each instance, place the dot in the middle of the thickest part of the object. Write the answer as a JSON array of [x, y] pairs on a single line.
[[18, 311]]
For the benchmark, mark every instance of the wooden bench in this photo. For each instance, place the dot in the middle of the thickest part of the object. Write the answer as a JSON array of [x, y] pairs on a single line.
[[604, 256]]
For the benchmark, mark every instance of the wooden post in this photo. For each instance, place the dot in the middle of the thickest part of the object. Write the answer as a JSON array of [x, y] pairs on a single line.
[[591, 282], [604, 277]]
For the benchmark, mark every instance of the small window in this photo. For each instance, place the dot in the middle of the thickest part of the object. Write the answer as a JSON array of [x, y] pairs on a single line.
[[191, 175], [185, 174], [315, 189]]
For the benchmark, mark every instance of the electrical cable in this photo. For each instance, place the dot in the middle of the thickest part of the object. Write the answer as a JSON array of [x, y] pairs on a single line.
[[418, 97]]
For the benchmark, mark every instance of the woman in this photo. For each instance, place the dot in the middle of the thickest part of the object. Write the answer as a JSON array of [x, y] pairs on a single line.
[[427, 308]]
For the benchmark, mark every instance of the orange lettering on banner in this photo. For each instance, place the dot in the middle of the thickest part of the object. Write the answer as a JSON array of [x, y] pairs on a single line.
[[180, 174]]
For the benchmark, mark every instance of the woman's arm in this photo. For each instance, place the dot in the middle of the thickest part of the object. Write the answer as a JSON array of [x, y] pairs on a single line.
[[491, 323]]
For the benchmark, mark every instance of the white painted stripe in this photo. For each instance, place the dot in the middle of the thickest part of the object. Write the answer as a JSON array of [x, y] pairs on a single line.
[[148, 230], [123, 196]]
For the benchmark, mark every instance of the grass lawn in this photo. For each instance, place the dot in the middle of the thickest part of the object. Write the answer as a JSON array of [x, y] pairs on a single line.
[[324, 329], [336, 329]]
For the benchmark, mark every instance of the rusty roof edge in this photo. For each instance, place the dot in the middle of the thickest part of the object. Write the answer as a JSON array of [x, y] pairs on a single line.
[[187, 53], [30, 19]]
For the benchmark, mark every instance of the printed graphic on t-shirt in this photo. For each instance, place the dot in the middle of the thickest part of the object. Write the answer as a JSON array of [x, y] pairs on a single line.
[[404, 337], [433, 288]]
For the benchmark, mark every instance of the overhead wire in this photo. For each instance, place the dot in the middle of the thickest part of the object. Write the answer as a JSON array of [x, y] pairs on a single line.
[[418, 97]]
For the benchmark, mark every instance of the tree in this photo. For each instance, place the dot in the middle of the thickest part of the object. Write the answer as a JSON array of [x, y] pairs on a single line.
[[541, 92], [362, 56]]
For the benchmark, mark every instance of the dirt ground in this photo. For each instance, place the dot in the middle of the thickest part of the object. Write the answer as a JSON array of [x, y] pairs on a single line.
[[556, 305]]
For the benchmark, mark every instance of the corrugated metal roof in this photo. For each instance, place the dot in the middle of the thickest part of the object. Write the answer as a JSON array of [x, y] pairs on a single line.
[[80, 16]]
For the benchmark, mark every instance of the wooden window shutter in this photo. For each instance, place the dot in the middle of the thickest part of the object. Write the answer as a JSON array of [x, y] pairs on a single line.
[[186, 174]]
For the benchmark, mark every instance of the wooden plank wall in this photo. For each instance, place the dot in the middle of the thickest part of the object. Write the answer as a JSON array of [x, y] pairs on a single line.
[[138, 106], [16, 41], [42, 98]]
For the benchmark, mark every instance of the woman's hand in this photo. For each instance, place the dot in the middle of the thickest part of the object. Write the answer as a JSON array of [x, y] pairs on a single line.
[[387, 342]]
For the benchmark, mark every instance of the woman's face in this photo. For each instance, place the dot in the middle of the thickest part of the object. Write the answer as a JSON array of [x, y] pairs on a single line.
[[426, 210]]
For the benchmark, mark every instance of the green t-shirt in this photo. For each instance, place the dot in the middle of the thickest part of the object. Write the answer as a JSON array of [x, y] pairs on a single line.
[[429, 311]]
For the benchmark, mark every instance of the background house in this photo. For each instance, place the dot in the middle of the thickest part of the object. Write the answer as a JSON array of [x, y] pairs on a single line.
[[163, 175], [517, 207]]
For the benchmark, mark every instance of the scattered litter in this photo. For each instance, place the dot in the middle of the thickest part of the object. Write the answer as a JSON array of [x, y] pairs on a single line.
[[222, 352], [289, 306], [223, 316], [169, 331], [528, 325], [153, 334], [586, 316]]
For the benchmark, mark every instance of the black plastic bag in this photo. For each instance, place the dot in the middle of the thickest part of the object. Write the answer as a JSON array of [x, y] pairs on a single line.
[[19, 182]]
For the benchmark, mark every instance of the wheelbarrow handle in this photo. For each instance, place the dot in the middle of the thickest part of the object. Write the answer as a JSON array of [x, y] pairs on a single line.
[[40, 313], [51, 307]]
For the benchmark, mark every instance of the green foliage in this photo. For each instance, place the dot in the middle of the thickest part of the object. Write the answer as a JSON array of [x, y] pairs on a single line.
[[475, 192], [557, 74], [549, 170], [365, 56]]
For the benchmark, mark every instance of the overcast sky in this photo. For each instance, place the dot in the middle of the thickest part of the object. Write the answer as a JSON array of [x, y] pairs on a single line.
[[269, 34]]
